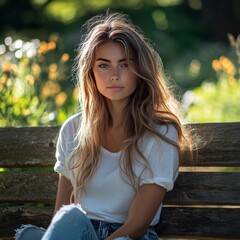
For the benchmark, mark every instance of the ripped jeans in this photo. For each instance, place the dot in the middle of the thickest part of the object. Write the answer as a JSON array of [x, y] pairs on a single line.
[[70, 223]]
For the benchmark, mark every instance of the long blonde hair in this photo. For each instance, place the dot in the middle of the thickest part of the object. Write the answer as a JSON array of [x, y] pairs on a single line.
[[151, 104]]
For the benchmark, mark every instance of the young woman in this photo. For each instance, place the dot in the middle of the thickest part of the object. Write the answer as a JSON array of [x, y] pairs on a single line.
[[119, 156]]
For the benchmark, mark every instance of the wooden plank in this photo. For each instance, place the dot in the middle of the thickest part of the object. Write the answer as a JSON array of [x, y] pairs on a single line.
[[12, 218], [220, 144], [175, 222], [196, 188], [27, 146], [28, 187], [35, 146], [211, 222], [191, 188]]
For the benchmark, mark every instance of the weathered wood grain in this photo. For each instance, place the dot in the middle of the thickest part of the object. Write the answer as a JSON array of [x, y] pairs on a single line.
[[191, 188], [28, 187], [174, 222], [211, 222], [27, 146], [221, 144], [32, 147], [203, 188], [13, 217]]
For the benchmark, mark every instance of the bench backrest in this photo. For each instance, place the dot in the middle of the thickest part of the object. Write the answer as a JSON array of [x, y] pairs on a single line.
[[205, 202]]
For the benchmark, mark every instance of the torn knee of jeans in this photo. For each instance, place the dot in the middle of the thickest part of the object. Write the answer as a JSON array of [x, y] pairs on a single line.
[[23, 228]]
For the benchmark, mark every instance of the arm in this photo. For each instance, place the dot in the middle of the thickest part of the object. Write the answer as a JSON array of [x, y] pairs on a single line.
[[142, 210], [63, 193]]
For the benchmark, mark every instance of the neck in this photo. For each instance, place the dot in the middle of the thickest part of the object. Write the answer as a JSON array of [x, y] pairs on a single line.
[[116, 111]]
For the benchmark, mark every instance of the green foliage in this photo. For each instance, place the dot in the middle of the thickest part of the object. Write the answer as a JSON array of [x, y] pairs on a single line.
[[218, 102], [32, 79]]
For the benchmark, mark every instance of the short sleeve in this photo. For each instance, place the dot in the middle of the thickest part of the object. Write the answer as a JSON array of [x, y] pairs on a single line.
[[66, 144], [163, 159]]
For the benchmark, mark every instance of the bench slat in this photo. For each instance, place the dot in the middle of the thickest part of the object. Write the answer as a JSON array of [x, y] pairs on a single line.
[[191, 188], [201, 222], [12, 218], [222, 145], [33, 147], [29, 187], [196, 188], [28, 146], [184, 222]]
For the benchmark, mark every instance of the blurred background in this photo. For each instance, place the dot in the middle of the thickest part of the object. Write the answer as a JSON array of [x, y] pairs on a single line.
[[198, 41]]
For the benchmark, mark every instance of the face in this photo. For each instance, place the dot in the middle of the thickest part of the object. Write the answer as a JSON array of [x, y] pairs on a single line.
[[114, 78]]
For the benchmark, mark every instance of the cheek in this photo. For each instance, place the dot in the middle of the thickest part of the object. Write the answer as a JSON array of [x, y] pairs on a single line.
[[100, 76], [99, 81], [133, 81]]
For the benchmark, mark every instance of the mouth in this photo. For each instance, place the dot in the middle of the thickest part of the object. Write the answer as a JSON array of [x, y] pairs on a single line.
[[115, 88]]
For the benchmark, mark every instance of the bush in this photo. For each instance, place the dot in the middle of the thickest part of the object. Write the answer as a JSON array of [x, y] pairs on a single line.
[[33, 83], [217, 102]]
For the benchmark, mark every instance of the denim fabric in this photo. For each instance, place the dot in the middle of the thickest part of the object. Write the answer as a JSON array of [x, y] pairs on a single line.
[[27, 232], [70, 223], [104, 229]]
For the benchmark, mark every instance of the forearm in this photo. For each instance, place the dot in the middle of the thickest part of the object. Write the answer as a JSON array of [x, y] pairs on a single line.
[[141, 212], [63, 193]]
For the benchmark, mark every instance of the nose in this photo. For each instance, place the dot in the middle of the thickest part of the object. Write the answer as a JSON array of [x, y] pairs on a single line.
[[114, 78], [115, 75]]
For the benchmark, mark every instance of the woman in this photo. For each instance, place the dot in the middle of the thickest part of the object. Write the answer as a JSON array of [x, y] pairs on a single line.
[[119, 156]]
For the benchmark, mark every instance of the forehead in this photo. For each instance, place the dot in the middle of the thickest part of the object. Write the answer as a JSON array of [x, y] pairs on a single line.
[[110, 50]]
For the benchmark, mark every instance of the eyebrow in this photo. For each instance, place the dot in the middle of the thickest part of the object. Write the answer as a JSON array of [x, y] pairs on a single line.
[[106, 60]]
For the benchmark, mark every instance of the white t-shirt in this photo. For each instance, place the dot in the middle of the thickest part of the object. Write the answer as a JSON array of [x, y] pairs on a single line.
[[108, 196]]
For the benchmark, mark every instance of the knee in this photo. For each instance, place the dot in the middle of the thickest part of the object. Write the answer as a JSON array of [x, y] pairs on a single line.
[[71, 213], [29, 232]]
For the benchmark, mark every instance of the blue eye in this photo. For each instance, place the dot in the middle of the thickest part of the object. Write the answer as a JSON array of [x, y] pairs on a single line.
[[103, 65], [125, 65]]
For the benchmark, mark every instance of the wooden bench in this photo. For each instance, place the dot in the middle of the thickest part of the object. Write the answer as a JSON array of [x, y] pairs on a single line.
[[205, 203]]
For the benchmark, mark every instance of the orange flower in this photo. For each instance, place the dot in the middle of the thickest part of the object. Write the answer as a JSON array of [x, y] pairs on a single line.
[[9, 67], [227, 66], [36, 69], [216, 65], [61, 99], [52, 75], [50, 89], [53, 67], [65, 57], [51, 45], [43, 48]]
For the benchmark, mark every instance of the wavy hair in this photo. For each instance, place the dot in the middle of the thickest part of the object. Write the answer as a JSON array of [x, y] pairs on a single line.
[[151, 104]]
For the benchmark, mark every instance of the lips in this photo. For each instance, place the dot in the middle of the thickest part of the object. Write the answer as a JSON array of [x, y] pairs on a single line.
[[115, 87]]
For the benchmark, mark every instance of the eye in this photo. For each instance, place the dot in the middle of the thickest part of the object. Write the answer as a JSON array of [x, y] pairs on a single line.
[[103, 65], [125, 65]]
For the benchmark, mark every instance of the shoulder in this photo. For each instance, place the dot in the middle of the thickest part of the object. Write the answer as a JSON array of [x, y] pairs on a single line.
[[71, 124], [162, 133], [168, 131], [165, 137]]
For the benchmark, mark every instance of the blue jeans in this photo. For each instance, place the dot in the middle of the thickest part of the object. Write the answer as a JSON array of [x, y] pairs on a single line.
[[70, 223]]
